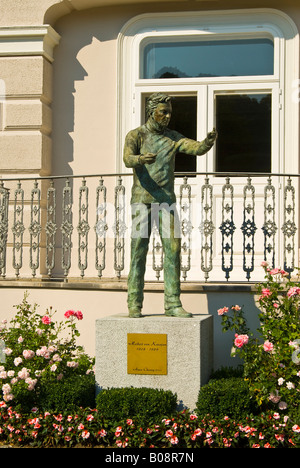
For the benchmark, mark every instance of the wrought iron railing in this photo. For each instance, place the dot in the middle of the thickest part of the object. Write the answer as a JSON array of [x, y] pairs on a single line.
[[79, 226]]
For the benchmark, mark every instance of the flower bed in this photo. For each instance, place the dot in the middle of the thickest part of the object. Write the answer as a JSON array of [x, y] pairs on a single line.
[[86, 427]]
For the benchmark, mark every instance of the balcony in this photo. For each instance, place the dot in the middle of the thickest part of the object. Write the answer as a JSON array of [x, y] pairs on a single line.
[[77, 228]]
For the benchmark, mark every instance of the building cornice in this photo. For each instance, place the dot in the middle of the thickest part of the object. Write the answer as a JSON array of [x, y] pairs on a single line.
[[28, 41]]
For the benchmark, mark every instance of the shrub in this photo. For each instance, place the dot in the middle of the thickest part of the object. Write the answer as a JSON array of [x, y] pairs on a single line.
[[225, 397], [271, 364], [144, 404], [37, 358], [227, 372], [70, 394]]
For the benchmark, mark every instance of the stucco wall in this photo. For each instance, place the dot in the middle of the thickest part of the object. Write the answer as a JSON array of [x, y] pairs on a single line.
[[96, 303]]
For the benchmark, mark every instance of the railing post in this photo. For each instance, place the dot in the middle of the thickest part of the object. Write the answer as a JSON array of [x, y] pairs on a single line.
[[83, 227], [227, 228], [101, 227], [119, 227], [269, 227], [18, 229], [289, 228], [35, 228], [248, 228], [66, 228], [4, 201], [51, 228], [206, 228], [186, 227]]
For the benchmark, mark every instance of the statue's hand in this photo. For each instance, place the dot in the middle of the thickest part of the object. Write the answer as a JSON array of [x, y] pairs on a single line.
[[148, 158], [212, 136]]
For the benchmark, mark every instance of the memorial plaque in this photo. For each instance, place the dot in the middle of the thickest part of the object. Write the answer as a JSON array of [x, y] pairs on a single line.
[[147, 353]]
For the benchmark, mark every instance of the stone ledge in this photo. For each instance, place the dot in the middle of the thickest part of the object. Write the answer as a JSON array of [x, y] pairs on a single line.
[[115, 284]]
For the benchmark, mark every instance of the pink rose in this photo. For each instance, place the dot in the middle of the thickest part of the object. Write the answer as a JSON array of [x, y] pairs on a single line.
[[278, 271], [72, 313], [79, 315], [266, 292], [293, 291], [46, 320], [69, 313], [223, 311], [240, 340], [28, 354], [275, 271], [268, 346]]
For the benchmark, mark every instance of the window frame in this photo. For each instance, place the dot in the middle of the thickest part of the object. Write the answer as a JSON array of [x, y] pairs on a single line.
[[284, 84]]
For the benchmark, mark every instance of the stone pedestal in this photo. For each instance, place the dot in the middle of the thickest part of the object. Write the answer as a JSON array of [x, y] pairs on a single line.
[[189, 354]]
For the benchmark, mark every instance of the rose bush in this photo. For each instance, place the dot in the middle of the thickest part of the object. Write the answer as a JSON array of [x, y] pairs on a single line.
[[38, 351], [270, 360]]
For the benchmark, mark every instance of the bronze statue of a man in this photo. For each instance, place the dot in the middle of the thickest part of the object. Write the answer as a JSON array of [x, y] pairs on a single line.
[[150, 150]]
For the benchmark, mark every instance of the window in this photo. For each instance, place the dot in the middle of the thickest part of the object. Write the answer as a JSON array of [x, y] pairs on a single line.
[[202, 59], [202, 56]]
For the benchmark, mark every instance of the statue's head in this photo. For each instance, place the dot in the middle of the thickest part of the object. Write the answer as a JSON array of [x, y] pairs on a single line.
[[159, 108], [154, 100]]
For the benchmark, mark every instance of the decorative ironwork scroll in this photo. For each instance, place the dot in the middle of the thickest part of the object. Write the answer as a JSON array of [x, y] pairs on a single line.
[[289, 228], [35, 228], [269, 227], [157, 252], [186, 227], [119, 227], [206, 228], [4, 200], [50, 228], [66, 228], [227, 228], [18, 229], [101, 227], [248, 228], [83, 227]]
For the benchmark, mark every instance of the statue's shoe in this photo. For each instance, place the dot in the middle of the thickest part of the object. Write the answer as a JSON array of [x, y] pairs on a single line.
[[178, 312], [135, 313]]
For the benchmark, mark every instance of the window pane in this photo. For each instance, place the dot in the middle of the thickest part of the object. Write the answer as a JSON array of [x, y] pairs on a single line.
[[244, 57], [243, 123], [184, 121]]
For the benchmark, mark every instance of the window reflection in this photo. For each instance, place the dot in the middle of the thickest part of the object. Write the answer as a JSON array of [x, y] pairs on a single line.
[[198, 59]]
